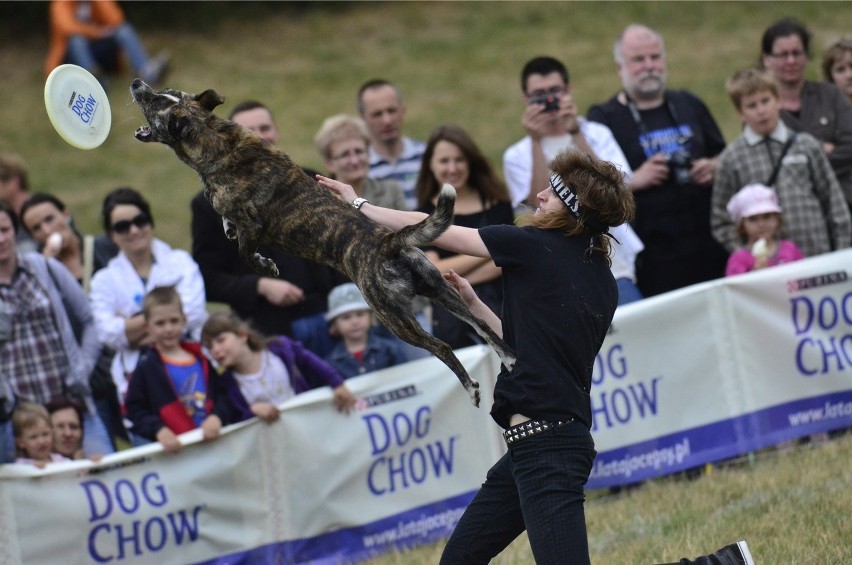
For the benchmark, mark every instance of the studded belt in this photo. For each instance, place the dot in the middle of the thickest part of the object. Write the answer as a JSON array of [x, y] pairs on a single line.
[[529, 429]]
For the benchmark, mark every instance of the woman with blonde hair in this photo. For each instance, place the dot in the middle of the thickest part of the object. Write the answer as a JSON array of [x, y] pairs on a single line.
[[343, 141]]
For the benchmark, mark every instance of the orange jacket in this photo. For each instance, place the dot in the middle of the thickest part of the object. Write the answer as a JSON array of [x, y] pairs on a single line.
[[64, 23]]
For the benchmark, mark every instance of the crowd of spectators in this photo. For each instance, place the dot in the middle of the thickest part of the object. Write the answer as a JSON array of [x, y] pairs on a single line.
[[96, 327]]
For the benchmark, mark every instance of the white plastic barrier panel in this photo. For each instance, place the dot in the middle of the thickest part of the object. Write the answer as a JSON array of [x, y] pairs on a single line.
[[693, 376], [316, 486], [722, 368]]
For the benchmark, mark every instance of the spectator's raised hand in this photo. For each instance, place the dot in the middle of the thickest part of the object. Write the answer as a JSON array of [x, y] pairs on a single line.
[[343, 399]]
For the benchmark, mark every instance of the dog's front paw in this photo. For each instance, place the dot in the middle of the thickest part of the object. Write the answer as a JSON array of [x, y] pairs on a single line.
[[230, 228], [265, 265]]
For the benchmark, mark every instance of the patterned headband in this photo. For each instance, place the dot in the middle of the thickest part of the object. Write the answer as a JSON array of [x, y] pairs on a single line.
[[566, 194]]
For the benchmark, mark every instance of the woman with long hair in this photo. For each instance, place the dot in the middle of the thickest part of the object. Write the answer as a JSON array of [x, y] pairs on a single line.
[[482, 199]]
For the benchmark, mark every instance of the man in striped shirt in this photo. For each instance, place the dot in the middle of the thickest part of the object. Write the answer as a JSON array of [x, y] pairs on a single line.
[[392, 156]]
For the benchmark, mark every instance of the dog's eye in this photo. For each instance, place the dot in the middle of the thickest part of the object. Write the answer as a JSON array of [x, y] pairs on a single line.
[[177, 126]]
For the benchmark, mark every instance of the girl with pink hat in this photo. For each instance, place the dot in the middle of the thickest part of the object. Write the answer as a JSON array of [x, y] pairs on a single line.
[[757, 217]]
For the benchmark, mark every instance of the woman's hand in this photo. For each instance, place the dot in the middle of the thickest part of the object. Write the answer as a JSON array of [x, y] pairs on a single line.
[[342, 190], [343, 399], [463, 287], [265, 411]]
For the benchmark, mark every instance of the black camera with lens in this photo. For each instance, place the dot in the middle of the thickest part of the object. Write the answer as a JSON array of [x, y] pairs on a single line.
[[550, 101], [680, 162]]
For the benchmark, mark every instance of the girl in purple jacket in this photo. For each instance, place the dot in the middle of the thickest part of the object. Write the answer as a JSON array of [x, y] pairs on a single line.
[[262, 372]]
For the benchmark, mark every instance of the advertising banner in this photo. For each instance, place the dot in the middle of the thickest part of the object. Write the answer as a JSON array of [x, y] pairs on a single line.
[[722, 368], [694, 376]]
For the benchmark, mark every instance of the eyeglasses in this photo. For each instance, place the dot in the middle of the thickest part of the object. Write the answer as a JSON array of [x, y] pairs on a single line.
[[797, 54], [555, 91], [122, 227], [357, 153]]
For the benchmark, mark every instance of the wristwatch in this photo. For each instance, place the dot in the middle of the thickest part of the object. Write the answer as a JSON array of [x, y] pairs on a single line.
[[358, 202]]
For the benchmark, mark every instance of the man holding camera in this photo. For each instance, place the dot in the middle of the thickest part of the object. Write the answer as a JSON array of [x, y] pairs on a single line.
[[553, 126], [672, 143]]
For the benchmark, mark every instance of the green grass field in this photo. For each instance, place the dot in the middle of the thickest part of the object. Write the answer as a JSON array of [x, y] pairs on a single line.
[[791, 508], [455, 62]]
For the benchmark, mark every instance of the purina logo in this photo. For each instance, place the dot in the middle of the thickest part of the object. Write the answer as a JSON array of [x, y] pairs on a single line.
[[817, 281], [84, 106], [71, 100], [385, 397]]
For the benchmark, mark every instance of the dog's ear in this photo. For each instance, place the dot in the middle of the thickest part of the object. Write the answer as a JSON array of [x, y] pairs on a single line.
[[209, 99]]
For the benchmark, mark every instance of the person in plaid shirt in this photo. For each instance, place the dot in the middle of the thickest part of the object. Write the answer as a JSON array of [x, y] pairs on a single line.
[[43, 310], [816, 217]]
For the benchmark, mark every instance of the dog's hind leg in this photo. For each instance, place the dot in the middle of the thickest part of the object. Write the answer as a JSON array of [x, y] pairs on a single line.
[[449, 299], [406, 327]]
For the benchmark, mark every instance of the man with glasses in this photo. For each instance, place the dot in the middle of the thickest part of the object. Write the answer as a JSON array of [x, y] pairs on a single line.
[[672, 144], [293, 304], [553, 125], [392, 155]]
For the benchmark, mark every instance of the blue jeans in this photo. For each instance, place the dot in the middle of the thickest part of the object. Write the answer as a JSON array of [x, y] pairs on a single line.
[[627, 291], [538, 487], [103, 53]]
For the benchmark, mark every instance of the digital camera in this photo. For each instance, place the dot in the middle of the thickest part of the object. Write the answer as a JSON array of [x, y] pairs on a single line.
[[550, 101], [680, 162]]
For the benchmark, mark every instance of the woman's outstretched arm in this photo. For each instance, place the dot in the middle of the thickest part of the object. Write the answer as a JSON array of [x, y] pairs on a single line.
[[456, 239]]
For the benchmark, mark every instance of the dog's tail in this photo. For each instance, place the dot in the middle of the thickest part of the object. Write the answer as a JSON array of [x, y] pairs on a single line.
[[434, 225]]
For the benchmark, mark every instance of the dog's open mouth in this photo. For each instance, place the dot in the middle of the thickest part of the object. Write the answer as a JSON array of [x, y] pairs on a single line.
[[144, 133]]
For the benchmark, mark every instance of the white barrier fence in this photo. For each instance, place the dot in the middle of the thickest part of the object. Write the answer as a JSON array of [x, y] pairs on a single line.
[[694, 376]]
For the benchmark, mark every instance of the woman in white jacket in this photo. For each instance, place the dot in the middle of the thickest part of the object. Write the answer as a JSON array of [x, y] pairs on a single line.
[[142, 264]]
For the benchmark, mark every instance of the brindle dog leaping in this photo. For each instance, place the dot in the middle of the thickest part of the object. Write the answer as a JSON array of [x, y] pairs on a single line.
[[264, 198]]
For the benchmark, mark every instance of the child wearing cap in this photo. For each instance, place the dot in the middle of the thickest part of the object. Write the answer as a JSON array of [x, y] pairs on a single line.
[[757, 217], [794, 164], [359, 350]]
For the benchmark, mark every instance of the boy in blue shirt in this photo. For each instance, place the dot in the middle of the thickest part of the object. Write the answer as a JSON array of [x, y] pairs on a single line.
[[173, 388]]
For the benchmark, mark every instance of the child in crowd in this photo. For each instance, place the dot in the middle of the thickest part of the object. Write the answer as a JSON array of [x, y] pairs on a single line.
[[359, 349], [262, 373], [174, 388], [34, 435], [757, 216], [66, 419], [794, 164]]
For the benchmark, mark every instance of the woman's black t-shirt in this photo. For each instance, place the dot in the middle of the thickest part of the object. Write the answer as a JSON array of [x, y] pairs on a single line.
[[558, 303], [447, 327]]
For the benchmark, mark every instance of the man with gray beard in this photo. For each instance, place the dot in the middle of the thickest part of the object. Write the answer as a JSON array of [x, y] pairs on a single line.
[[672, 143]]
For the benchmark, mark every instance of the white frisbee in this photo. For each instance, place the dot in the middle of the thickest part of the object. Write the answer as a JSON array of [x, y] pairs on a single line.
[[77, 106]]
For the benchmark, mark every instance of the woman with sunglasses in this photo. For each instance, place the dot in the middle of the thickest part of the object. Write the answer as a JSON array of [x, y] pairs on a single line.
[[143, 263]]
